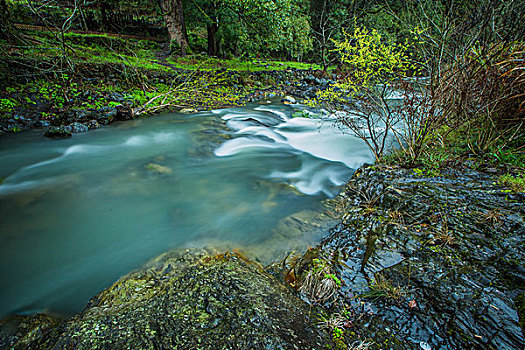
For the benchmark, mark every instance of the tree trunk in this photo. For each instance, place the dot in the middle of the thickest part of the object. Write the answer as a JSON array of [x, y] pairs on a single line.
[[7, 30], [213, 48], [104, 20], [174, 17]]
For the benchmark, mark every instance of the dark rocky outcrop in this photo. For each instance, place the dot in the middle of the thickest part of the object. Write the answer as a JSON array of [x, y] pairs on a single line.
[[431, 262]]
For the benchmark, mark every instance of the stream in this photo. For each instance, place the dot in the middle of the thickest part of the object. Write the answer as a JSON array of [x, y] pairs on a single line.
[[76, 214]]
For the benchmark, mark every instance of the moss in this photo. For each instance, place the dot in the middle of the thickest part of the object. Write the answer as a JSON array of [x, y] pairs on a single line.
[[515, 183], [198, 62], [181, 299]]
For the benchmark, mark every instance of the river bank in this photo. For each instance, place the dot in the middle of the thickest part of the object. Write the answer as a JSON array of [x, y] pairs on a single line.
[[96, 99], [109, 78], [416, 262], [430, 262]]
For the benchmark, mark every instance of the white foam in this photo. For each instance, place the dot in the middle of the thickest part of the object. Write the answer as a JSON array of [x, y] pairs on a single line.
[[315, 177], [143, 140], [163, 137], [75, 149], [252, 118], [236, 124], [323, 140], [282, 115], [262, 131], [46, 162], [329, 154], [243, 144], [80, 149], [229, 116]]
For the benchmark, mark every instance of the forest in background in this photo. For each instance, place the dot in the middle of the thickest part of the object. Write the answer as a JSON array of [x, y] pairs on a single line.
[[470, 54]]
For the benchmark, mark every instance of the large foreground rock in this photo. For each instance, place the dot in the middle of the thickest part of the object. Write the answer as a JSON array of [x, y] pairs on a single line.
[[188, 300]]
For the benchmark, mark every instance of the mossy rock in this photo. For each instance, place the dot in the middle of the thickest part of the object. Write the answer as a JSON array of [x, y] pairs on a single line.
[[17, 332], [58, 132], [191, 300]]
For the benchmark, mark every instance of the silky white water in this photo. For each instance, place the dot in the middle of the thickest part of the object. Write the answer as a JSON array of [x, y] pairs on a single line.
[[76, 214]]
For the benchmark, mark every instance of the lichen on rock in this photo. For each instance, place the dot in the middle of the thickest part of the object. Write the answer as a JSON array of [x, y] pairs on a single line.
[[191, 300]]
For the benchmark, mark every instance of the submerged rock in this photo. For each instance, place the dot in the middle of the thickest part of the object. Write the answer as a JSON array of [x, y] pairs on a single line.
[[189, 300], [159, 169]]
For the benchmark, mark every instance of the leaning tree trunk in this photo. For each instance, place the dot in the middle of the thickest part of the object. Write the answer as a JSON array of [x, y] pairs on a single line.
[[174, 17]]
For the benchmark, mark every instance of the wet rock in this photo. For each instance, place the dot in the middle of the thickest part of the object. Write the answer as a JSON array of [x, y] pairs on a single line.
[[115, 96], [77, 127], [309, 79], [289, 99], [58, 132], [188, 110], [191, 300], [124, 112], [106, 115], [83, 116], [457, 266], [28, 122], [17, 332], [42, 124], [92, 124]]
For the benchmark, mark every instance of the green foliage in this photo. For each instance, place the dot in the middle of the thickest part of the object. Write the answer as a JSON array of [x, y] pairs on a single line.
[[250, 27], [368, 61], [7, 105], [301, 114], [199, 62], [204, 90], [371, 67], [382, 288], [434, 161], [276, 25], [515, 183], [321, 267]]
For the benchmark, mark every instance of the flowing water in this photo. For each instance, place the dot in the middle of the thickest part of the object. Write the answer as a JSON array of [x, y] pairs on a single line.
[[76, 214]]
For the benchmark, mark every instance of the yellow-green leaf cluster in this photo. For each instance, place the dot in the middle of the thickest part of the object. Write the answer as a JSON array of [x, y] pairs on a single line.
[[369, 61]]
